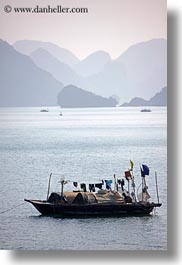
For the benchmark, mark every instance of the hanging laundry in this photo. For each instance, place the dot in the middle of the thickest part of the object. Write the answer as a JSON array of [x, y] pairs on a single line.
[[92, 187], [83, 187], [108, 184], [119, 181], [122, 184], [98, 185], [75, 184]]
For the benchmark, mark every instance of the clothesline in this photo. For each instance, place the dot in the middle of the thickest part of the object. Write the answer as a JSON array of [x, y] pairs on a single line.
[[63, 178]]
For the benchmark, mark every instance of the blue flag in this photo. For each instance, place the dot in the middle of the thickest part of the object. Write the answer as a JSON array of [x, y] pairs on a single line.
[[108, 184], [142, 173], [145, 170]]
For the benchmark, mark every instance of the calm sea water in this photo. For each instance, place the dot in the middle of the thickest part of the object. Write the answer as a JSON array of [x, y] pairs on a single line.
[[85, 145]]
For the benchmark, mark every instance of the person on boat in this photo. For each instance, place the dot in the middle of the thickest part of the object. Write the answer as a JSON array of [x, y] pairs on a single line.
[[146, 195], [127, 197], [133, 197]]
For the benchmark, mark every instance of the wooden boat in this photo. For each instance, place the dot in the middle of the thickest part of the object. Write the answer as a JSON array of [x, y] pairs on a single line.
[[93, 209], [145, 110], [44, 110], [104, 202]]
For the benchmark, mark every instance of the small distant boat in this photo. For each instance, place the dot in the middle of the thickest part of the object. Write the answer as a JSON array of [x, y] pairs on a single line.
[[61, 114], [44, 110], [106, 201], [145, 110]]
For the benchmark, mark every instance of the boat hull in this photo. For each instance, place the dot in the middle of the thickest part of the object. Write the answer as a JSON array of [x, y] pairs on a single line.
[[95, 209]]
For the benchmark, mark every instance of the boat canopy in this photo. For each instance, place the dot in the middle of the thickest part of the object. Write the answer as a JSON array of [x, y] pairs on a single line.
[[85, 198]]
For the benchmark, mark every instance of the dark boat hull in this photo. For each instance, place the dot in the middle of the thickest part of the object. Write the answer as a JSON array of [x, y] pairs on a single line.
[[95, 209]]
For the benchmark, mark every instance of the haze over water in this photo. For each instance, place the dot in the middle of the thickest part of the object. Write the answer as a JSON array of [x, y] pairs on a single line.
[[85, 145]]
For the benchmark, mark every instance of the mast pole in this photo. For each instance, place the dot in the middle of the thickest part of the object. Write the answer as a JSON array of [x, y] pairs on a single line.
[[142, 189], [49, 183], [156, 187], [115, 182], [133, 182], [62, 185]]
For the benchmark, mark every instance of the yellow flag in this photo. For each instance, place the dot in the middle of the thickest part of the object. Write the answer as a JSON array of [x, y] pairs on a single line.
[[131, 164]]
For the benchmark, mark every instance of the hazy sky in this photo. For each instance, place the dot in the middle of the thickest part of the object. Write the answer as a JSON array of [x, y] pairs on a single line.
[[110, 25]]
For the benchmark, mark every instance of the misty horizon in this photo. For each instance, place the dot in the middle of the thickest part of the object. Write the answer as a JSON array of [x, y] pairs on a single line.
[[92, 52], [141, 71], [115, 49], [109, 27]]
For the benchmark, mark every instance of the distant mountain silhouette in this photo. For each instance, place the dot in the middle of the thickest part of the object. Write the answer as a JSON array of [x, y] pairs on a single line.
[[61, 71], [111, 80], [92, 64], [74, 97], [146, 67], [22, 83], [160, 99], [135, 102], [139, 71], [63, 55]]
